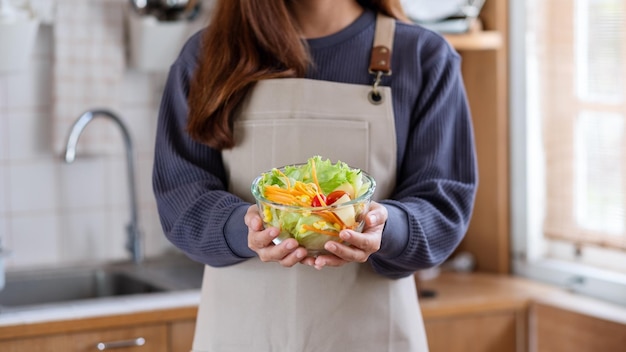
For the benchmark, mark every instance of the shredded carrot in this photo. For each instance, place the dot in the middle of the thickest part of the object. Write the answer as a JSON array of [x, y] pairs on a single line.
[[323, 232], [314, 174], [286, 200], [284, 196], [332, 217], [305, 188], [317, 184]]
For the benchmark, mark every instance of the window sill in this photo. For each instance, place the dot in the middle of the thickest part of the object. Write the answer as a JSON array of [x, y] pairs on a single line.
[[576, 278]]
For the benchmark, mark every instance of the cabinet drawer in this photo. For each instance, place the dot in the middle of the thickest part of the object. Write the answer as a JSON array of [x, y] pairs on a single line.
[[117, 340], [120, 340], [493, 332]]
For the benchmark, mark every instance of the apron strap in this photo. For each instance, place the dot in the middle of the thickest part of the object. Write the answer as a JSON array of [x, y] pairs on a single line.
[[380, 59]]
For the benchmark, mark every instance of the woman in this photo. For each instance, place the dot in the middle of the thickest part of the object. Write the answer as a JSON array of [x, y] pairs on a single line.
[[275, 82]]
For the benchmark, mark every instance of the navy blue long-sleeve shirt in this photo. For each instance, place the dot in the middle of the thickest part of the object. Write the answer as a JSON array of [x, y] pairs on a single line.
[[430, 208]]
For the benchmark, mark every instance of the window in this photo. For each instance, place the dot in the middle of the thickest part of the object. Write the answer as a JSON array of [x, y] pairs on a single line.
[[569, 143]]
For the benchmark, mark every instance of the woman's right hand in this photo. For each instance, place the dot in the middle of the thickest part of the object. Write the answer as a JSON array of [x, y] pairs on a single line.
[[287, 253]]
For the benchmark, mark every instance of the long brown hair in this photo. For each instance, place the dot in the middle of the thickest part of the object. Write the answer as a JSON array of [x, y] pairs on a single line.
[[247, 41]]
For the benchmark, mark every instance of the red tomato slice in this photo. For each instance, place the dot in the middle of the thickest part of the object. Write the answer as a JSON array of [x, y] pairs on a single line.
[[315, 202], [333, 196]]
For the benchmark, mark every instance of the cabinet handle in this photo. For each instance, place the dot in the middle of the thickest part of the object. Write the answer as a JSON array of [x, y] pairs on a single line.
[[140, 341]]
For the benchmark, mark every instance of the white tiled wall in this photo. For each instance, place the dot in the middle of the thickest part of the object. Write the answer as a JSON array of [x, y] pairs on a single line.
[[57, 213]]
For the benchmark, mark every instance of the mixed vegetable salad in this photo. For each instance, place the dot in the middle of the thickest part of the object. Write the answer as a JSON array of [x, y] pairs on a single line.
[[313, 202]]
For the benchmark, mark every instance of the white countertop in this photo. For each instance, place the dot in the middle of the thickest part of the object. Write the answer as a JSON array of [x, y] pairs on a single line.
[[99, 307]]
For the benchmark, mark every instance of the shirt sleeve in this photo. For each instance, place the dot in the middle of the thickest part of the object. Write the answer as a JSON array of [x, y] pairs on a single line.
[[197, 213], [431, 207]]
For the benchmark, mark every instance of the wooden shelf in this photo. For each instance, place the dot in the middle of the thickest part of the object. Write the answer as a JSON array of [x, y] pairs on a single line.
[[476, 40]]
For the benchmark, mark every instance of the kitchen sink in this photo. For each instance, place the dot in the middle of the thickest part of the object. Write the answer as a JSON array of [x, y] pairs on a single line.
[[68, 285], [74, 284]]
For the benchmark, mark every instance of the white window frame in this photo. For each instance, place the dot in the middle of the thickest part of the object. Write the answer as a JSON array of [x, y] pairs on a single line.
[[526, 262]]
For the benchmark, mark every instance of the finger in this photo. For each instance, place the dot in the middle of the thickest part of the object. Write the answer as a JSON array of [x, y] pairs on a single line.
[[367, 242], [293, 257], [328, 260], [280, 251], [346, 253], [309, 261], [261, 239], [287, 253], [253, 219], [376, 216]]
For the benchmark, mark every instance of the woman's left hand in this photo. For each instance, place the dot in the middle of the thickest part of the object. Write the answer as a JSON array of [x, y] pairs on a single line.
[[358, 245]]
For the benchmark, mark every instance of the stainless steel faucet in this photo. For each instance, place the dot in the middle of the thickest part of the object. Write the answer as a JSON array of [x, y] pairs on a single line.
[[135, 239]]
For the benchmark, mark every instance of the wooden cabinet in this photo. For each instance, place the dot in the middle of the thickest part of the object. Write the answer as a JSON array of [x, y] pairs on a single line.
[[478, 312], [149, 338], [485, 73], [559, 328], [482, 312], [181, 335], [484, 332], [166, 330]]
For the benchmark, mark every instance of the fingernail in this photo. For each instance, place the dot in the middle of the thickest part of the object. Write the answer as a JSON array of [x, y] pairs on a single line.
[[299, 254], [345, 235], [331, 246], [373, 219], [291, 245]]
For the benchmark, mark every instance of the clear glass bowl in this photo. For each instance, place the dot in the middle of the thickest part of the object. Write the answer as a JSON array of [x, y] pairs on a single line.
[[312, 226]]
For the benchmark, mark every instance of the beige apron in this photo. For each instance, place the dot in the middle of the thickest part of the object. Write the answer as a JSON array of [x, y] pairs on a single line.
[[255, 306]]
